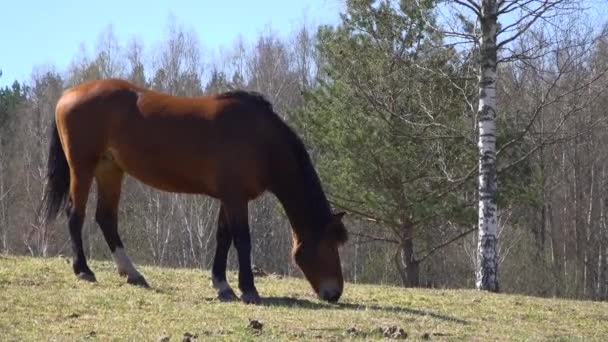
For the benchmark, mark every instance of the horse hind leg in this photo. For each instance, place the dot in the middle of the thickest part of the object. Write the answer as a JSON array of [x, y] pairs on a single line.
[[80, 183], [109, 182]]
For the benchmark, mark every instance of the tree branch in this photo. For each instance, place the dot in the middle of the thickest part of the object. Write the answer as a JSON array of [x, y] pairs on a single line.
[[470, 5], [443, 244], [533, 15], [372, 238]]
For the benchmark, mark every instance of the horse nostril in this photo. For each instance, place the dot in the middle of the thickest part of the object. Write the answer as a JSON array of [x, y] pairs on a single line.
[[331, 296], [334, 298]]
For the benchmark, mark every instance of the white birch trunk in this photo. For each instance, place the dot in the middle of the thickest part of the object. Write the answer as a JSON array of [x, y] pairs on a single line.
[[487, 258]]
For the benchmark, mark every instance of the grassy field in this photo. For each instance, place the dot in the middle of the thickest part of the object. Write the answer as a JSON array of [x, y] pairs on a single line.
[[41, 300]]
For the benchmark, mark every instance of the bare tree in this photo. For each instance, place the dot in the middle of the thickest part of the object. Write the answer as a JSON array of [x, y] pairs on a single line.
[[270, 71], [198, 217], [109, 60], [177, 64], [82, 68], [33, 129], [12, 99], [304, 57], [136, 73]]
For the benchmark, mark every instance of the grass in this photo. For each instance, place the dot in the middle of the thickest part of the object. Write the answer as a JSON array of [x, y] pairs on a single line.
[[40, 299]]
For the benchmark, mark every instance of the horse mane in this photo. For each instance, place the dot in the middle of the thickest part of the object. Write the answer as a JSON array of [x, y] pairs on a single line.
[[316, 200], [248, 96]]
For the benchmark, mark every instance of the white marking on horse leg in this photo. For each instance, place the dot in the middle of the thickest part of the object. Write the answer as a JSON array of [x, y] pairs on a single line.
[[124, 264], [220, 286], [224, 291]]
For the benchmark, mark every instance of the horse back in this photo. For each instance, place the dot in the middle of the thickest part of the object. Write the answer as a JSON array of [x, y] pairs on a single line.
[[181, 144]]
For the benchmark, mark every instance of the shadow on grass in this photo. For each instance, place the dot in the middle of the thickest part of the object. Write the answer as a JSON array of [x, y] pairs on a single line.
[[307, 304]]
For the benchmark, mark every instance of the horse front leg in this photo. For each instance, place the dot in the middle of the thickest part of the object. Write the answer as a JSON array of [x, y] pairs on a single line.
[[218, 273], [237, 217]]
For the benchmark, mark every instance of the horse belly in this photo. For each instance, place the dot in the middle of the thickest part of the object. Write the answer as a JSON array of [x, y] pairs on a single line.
[[163, 172]]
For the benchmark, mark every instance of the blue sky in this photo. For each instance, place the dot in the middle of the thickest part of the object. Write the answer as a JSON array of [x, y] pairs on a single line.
[[45, 32]]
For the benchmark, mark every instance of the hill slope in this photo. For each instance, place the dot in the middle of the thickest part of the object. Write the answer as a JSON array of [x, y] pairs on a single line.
[[40, 299]]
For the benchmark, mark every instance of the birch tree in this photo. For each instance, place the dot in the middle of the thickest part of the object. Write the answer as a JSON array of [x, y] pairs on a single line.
[[487, 272], [485, 29]]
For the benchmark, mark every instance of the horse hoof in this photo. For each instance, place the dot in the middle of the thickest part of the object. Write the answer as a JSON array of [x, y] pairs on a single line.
[[251, 297], [227, 295], [138, 281], [90, 277]]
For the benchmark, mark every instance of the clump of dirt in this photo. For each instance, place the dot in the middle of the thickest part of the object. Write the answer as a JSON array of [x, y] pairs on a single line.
[[256, 326], [354, 331], [188, 337], [392, 332], [258, 271]]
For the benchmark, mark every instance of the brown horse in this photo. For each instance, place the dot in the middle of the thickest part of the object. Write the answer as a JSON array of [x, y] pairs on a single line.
[[232, 147]]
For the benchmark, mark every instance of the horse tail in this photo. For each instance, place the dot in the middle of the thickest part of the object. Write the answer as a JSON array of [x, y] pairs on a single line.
[[58, 179]]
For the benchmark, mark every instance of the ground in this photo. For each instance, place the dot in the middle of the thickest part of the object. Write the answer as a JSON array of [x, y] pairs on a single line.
[[40, 299]]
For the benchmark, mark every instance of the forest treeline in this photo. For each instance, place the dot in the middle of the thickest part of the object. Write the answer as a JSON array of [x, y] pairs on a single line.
[[387, 106]]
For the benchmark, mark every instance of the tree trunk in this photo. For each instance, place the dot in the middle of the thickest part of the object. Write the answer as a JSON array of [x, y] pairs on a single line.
[[603, 244], [487, 256], [545, 210], [603, 279], [3, 209], [405, 256], [556, 253], [591, 238], [578, 236], [412, 265]]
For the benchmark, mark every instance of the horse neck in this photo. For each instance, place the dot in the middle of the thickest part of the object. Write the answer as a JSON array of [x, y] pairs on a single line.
[[299, 191]]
